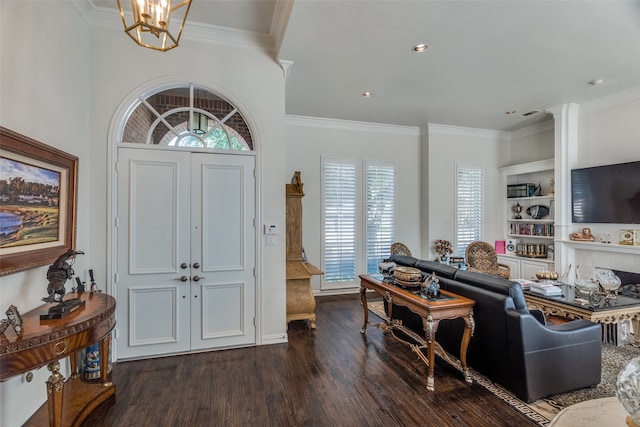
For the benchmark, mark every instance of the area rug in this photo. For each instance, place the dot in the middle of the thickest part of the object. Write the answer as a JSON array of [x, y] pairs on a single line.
[[542, 411]]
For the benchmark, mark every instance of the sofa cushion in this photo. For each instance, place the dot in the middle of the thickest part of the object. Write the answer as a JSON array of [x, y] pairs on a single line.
[[441, 270], [494, 284], [405, 260]]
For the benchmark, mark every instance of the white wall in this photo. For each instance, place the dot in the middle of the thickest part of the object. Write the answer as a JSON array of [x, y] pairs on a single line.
[[448, 145], [533, 143], [310, 139], [44, 78]]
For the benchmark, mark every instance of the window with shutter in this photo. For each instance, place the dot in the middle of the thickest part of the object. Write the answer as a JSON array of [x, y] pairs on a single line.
[[381, 206], [356, 236], [339, 221], [469, 201]]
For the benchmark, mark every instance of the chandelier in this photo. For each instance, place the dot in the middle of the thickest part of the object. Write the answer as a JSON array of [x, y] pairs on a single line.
[[156, 24]]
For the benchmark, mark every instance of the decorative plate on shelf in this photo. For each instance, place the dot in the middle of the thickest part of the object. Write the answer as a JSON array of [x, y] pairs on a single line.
[[537, 211]]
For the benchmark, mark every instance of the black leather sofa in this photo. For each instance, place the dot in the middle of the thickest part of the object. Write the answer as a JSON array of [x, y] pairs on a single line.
[[511, 344]]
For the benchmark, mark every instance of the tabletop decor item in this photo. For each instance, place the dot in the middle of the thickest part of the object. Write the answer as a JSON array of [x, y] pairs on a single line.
[[13, 319], [431, 287], [443, 249], [407, 276], [626, 237], [58, 274], [517, 209], [582, 236], [386, 268], [628, 393]]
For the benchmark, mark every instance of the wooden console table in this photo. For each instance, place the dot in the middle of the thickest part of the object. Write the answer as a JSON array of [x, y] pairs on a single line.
[[45, 342], [432, 312]]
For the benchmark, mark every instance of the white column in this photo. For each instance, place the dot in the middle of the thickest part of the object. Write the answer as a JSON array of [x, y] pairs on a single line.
[[566, 158]]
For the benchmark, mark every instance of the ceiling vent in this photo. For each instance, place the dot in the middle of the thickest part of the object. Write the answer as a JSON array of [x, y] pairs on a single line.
[[530, 113]]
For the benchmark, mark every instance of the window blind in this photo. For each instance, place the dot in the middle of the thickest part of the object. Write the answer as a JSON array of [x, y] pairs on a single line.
[[381, 205], [339, 210], [469, 200]]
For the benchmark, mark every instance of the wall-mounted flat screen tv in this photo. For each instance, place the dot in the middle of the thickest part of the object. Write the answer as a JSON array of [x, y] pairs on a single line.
[[606, 194]]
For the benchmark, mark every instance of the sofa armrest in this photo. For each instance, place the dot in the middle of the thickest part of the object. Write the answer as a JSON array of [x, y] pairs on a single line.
[[542, 356]]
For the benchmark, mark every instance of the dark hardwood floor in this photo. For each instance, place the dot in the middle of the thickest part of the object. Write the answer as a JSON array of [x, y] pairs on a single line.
[[331, 376]]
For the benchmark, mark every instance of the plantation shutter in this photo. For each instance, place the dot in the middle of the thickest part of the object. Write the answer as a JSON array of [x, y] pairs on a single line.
[[381, 205], [339, 210], [468, 207]]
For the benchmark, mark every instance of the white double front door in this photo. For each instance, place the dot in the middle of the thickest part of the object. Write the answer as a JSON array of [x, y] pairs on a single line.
[[185, 239]]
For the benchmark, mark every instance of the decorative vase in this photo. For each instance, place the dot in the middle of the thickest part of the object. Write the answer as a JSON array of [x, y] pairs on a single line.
[[444, 259], [628, 385], [91, 361]]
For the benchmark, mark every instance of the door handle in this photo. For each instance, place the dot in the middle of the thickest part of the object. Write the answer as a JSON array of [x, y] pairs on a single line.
[[197, 278], [182, 279]]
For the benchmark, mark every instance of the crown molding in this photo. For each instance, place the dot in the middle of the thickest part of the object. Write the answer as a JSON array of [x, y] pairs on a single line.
[[279, 22], [612, 100], [320, 122], [86, 9], [466, 131], [110, 18]]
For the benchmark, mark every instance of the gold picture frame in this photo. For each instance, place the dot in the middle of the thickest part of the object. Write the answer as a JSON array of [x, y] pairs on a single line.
[[37, 202]]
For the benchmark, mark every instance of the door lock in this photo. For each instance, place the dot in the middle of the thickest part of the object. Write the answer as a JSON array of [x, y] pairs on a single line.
[[196, 265], [197, 278], [184, 265], [182, 279]]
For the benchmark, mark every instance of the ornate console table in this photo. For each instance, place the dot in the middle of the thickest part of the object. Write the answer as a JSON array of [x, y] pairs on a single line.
[[45, 342]]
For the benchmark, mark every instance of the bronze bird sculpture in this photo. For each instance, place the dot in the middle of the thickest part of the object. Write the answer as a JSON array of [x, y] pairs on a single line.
[[58, 274]]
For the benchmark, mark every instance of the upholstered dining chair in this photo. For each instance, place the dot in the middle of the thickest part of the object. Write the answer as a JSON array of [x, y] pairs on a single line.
[[481, 256], [400, 249]]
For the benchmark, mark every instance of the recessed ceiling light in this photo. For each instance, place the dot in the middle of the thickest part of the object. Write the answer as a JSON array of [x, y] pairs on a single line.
[[422, 47], [367, 94], [596, 82], [510, 113]]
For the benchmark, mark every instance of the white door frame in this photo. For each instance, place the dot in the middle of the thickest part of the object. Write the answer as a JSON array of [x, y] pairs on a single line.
[[116, 128]]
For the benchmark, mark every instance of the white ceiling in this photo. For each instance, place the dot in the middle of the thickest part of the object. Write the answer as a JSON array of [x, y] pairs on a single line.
[[484, 58]]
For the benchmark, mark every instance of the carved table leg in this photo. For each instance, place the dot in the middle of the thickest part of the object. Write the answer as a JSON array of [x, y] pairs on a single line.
[[466, 337], [104, 361], [363, 298], [430, 332], [55, 385], [73, 364]]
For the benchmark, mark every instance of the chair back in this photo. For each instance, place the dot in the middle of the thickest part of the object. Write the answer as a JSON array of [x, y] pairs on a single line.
[[481, 256]]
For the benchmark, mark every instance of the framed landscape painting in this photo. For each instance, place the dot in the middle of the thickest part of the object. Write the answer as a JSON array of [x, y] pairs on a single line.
[[37, 202]]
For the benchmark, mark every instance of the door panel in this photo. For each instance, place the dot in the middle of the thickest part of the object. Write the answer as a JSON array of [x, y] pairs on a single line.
[[223, 242], [153, 306], [153, 205], [221, 317], [149, 325]]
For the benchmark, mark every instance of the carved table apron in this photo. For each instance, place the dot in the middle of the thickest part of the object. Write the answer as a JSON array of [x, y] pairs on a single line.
[[45, 342]]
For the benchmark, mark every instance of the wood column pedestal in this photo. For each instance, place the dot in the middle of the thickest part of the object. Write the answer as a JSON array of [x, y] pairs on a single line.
[[301, 304]]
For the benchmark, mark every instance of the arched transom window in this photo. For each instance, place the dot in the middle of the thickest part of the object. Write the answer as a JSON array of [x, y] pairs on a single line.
[[187, 116]]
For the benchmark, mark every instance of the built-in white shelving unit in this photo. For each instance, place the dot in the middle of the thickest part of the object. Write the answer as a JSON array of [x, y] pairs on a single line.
[[529, 239]]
